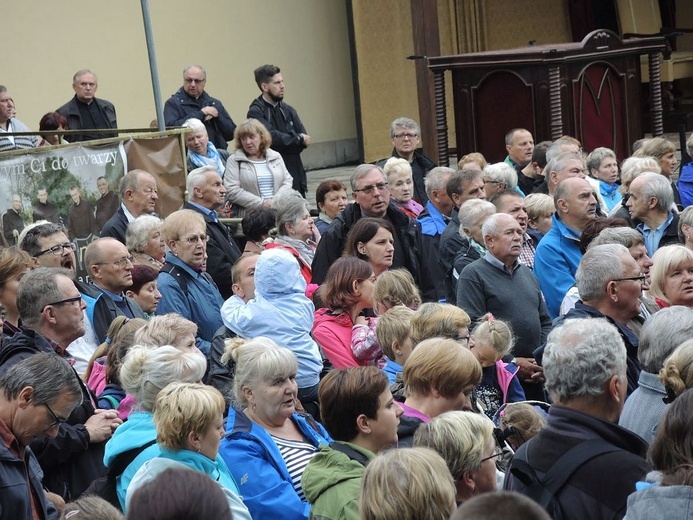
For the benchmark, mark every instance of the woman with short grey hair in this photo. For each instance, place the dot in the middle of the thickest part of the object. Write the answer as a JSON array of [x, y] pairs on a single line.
[[144, 241]]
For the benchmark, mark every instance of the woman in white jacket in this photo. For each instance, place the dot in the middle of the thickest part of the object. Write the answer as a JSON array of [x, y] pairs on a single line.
[[254, 172]]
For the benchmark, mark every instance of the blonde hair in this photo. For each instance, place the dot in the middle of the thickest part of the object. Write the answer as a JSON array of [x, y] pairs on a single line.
[[395, 165], [539, 205], [396, 287], [182, 408], [146, 371], [407, 484], [634, 166], [167, 329], [524, 418], [461, 438], [474, 157], [440, 364], [258, 360], [677, 373], [393, 327], [665, 260], [496, 333], [437, 320], [90, 507], [120, 327], [179, 222]]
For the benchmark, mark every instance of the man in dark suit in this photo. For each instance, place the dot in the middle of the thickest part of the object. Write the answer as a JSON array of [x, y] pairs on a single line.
[[206, 195], [138, 192]]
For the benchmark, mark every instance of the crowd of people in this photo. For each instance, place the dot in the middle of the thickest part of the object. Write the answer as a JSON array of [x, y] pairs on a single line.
[[522, 325]]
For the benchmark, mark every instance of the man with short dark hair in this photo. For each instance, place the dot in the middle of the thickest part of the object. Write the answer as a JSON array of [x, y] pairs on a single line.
[[289, 136], [205, 196], [44, 210], [109, 265], [139, 193], [191, 101], [34, 394], [107, 204], [498, 283], [50, 307], [372, 196], [80, 216], [406, 134], [585, 369], [12, 221], [462, 186], [85, 111]]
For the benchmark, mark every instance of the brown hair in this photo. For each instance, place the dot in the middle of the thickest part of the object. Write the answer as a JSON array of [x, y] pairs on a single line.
[[672, 448], [524, 418], [396, 287], [326, 187], [12, 262], [393, 326], [337, 292], [362, 232], [346, 394], [252, 127]]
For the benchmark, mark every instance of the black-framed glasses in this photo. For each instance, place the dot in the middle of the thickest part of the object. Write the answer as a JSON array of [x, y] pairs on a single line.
[[57, 421], [382, 186], [640, 278], [62, 302], [195, 239], [491, 182], [57, 250], [121, 263], [405, 136], [496, 453]]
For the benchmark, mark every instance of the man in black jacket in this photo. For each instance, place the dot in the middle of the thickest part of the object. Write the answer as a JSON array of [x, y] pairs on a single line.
[[289, 136], [372, 198], [205, 196], [191, 101], [85, 111], [50, 307]]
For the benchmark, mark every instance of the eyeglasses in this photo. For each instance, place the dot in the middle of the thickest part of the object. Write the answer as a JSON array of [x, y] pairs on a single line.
[[640, 278], [382, 186], [57, 421], [462, 339], [62, 302], [195, 239], [492, 182], [194, 80], [121, 263], [406, 136], [57, 250], [496, 453]]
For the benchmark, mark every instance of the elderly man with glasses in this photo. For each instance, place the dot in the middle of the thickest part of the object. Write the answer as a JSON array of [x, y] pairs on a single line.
[[405, 134], [372, 199], [109, 265], [191, 101], [50, 307]]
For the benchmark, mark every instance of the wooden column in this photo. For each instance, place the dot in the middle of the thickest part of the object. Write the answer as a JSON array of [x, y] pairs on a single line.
[[555, 102], [441, 118], [655, 94]]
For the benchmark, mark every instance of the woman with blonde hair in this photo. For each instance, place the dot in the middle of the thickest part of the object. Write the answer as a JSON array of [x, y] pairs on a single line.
[[254, 172], [540, 209], [407, 484], [400, 180], [466, 443], [144, 373], [677, 373], [671, 276], [189, 424]]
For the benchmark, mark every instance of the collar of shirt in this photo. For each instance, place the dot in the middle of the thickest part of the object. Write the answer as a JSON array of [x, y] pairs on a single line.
[[206, 211], [128, 215], [500, 265], [653, 236]]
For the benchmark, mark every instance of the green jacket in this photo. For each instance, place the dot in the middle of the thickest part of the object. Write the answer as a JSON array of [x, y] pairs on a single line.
[[332, 483]]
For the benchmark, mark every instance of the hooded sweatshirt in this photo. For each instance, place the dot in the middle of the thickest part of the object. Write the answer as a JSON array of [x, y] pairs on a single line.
[[332, 483], [280, 311]]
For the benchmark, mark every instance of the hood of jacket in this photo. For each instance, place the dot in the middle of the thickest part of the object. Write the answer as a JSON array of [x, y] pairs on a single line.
[[327, 471], [137, 431], [661, 503], [277, 273]]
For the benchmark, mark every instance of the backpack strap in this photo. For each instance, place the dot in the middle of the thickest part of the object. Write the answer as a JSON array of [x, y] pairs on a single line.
[[122, 461], [111, 400], [350, 452], [178, 275]]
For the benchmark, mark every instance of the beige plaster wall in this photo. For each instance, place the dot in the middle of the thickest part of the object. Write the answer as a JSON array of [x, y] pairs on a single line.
[[308, 39]]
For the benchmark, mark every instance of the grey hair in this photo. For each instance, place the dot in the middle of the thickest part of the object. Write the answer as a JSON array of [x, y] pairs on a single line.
[[658, 186], [361, 171], [556, 148], [404, 122], [685, 219], [471, 211], [596, 156], [146, 371], [598, 267], [558, 162], [47, 373], [138, 230], [634, 166], [3, 88], [130, 181], [396, 165], [197, 177], [81, 73], [204, 72], [662, 333], [259, 360], [194, 124], [435, 179], [501, 172], [491, 224], [37, 289], [580, 358], [627, 237], [290, 212]]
